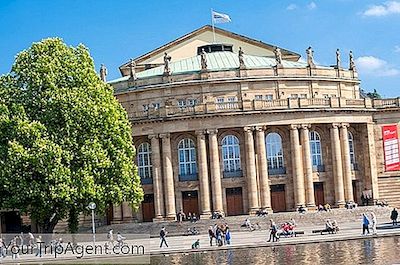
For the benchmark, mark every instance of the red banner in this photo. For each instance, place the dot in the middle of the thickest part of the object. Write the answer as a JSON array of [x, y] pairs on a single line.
[[391, 147]]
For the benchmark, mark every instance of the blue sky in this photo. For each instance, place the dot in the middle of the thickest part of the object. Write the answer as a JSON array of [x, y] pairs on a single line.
[[115, 31]]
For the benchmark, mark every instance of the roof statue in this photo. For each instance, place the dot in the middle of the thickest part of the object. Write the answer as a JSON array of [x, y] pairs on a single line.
[[337, 58], [352, 64], [103, 72], [242, 65], [278, 56], [167, 60], [203, 57], [132, 71], [310, 57]]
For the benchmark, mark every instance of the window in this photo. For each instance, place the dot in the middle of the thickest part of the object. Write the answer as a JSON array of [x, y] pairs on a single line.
[[333, 96], [325, 95], [156, 106], [232, 99], [269, 97], [146, 107], [182, 103], [191, 102], [351, 148], [258, 97], [315, 148], [231, 153], [274, 151], [220, 100], [294, 96], [187, 157], [144, 161], [303, 95]]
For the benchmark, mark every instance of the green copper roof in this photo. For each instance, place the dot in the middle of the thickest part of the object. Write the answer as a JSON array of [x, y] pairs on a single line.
[[216, 61]]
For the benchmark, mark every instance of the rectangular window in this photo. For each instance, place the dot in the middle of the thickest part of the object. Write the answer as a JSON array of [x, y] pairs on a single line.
[[220, 100], [156, 105], [269, 97], [232, 99], [294, 96], [146, 107], [258, 97], [303, 95], [191, 102], [181, 103]]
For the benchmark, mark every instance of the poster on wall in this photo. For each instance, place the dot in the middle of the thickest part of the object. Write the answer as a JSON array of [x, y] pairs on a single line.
[[391, 147]]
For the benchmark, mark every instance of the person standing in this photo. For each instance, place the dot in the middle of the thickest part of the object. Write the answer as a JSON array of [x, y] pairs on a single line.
[[394, 214], [373, 219], [163, 234], [365, 224], [228, 236], [211, 234], [273, 230]]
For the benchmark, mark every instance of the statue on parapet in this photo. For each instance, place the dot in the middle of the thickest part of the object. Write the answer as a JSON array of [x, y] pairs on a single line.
[[167, 60], [103, 73], [352, 64], [242, 65], [338, 59], [203, 59], [132, 70], [278, 57], [310, 57]]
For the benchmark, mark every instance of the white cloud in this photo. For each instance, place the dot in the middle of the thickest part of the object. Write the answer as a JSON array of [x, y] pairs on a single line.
[[291, 7], [397, 48], [374, 66], [387, 8], [312, 6]]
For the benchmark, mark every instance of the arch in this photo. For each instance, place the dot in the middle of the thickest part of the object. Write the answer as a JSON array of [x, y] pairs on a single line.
[[187, 157], [231, 153], [273, 142], [351, 148], [144, 161], [315, 148]]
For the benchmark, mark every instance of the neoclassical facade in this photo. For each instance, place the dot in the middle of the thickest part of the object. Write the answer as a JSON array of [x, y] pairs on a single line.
[[244, 125]]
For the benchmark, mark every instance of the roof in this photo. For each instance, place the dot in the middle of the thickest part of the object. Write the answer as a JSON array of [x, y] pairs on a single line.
[[216, 61], [286, 54]]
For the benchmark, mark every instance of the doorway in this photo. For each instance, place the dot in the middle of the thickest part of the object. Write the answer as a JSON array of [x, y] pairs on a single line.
[[278, 198], [148, 208], [234, 201], [190, 202], [319, 193]]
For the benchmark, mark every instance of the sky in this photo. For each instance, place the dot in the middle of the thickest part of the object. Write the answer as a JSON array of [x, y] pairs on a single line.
[[118, 30]]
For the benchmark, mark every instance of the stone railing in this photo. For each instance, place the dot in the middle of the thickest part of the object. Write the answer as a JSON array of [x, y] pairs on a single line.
[[264, 105]]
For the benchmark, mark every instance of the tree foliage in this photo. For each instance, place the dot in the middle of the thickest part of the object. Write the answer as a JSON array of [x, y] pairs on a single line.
[[64, 139]]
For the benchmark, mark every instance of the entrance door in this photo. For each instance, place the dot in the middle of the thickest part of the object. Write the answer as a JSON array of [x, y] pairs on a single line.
[[355, 193], [319, 193], [278, 198], [234, 201], [190, 202], [148, 208], [12, 222]]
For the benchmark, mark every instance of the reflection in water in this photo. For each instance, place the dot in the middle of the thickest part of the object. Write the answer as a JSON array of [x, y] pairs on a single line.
[[367, 251]]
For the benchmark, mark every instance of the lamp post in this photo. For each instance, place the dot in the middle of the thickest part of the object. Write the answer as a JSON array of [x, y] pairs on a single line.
[[92, 206]]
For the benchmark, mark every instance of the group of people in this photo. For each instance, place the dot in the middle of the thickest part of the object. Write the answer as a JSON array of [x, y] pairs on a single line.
[[326, 207], [247, 223], [19, 241], [119, 239], [367, 221], [192, 217], [220, 233], [331, 227]]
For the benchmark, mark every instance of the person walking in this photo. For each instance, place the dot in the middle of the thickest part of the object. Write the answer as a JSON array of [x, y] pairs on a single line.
[[373, 219], [163, 234], [365, 224], [393, 215], [211, 234], [273, 231]]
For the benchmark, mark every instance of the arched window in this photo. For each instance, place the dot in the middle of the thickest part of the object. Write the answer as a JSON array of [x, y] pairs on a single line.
[[351, 148], [315, 148], [274, 151], [144, 161], [187, 157], [231, 153]]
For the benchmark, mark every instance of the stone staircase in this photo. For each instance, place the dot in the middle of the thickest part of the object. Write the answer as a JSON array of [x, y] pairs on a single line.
[[234, 222], [389, 190]]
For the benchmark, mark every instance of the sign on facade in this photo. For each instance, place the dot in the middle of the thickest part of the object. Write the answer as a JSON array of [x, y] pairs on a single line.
[[391, 147]]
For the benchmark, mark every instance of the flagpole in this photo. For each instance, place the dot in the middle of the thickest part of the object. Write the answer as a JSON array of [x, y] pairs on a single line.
[[212, 23]]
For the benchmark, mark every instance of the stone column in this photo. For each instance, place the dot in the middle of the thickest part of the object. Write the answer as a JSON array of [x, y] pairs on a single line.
[[371, 171], [168, 177], [337, 166], [157, 179], [263, 170], [348, 185], [298, 177], [308, 172], [203, 174], [251, 171], [215, 172]]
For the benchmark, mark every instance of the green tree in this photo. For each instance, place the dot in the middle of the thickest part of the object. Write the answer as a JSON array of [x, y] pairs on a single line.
[[64, 139]]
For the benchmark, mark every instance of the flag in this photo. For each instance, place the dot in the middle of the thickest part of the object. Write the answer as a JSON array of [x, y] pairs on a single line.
[[220, 17]]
